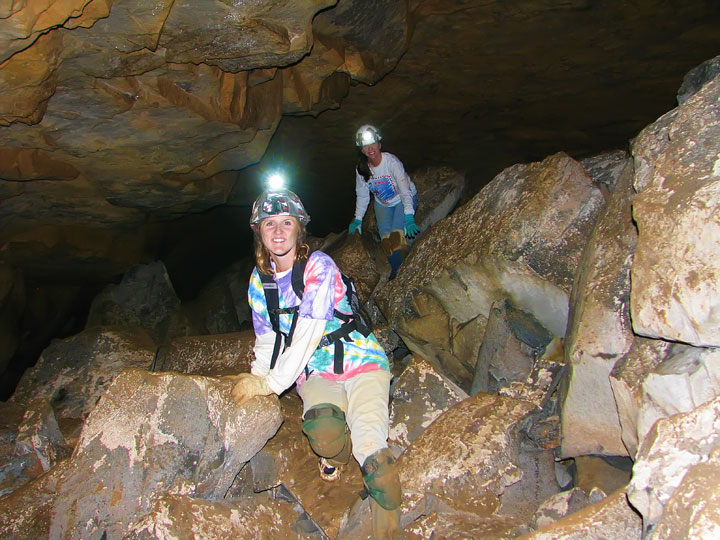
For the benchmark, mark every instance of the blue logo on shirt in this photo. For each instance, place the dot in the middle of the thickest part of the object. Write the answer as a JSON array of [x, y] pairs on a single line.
[[383, 188]]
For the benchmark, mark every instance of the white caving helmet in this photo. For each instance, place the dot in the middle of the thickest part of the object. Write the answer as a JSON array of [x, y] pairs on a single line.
[[278, 202], [367, 134]]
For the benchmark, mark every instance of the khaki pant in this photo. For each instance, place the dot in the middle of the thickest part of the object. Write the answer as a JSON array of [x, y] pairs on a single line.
[[364, 400]]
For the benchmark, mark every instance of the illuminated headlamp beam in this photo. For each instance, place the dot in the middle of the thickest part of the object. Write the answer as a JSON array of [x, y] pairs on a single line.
[[276, 181]]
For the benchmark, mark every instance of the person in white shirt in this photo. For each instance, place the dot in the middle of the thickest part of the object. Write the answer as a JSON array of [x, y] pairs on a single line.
[[383, 175]]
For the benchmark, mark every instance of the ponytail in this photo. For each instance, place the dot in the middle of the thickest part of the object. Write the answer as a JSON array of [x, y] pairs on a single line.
[[363, 167]]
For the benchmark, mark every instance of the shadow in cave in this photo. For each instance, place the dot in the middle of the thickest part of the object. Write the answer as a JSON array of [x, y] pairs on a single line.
[[51, 312]]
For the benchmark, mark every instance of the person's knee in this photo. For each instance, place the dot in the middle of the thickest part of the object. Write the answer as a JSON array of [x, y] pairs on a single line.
[[325, 427], [381, 479]]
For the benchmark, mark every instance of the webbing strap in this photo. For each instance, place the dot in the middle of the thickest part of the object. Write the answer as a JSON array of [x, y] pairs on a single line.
[[276, 349], [339, 356], [298, 278], [293, 324], [272, 300], [283, 341], [336, 337]]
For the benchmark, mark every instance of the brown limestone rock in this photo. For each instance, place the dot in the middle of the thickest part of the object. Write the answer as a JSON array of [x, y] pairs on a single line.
[[522, 237], [25, 22], [307, 86], [430, 330], [29, 79], [25, 513], [626, 380], [39, 434], [671, 448], [466, 458], [657, 379], [350, 30], [145, 298], [512, 342], [439, 191], [675, 271], [33, 443], [693, 510], [599, 330], [610, 519], [73, 373], [459, 473], [151, 434], [182, 516], [421, 395], [563, 504], [20, 164], [538, 388], [605, 169], [356, 260], [272, 33], [216, 355], [606, 474]]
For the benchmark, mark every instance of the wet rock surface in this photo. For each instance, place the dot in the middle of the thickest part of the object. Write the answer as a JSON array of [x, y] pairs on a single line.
[[96, 443]]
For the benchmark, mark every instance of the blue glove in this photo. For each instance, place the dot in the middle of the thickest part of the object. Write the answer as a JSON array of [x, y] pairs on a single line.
[[411, 229], [356, 225]]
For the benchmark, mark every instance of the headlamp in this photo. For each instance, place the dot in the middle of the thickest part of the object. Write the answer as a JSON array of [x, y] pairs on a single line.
[[275, 181]]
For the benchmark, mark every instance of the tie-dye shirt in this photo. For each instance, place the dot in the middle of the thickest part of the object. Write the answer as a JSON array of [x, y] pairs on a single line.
[[324, 292]]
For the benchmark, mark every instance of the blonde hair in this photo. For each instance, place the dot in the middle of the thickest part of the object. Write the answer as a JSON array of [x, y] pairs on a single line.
[[263, 257]]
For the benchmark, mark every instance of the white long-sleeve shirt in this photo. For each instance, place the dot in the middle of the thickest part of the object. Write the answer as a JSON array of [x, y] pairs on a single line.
[[389, 184], [292, 361]]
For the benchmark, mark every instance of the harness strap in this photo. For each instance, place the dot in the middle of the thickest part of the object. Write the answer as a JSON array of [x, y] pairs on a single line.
[[276, 349], [273, 303], [298, 275], [282, 340], [336, 337], [293, 324]]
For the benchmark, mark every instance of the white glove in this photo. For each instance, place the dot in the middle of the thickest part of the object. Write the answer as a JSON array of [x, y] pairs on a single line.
[[248, 386]]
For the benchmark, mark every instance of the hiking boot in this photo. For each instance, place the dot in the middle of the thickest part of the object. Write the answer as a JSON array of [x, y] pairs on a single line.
[[328, 472]]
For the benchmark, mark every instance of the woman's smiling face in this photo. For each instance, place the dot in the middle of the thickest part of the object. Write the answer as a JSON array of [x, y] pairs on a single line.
[[372, 151], [279, 235]]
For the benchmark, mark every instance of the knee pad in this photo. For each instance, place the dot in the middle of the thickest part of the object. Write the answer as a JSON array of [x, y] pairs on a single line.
[[382, 480], [324, 425]]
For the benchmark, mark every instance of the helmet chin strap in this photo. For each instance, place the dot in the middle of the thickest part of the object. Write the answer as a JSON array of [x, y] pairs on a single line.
[[277, 259], [283, 254]]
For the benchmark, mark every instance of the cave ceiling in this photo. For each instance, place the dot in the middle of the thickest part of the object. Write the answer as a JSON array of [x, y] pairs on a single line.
[[130, 129]]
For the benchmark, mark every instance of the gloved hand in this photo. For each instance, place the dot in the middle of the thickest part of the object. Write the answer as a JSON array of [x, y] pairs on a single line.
[[248, 386], [356, 225], [411, 229]]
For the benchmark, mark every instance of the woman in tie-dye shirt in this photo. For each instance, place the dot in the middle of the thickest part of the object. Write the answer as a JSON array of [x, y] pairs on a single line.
[[344, 413]]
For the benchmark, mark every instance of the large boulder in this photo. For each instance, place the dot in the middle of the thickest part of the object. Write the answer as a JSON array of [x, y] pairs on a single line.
[[600, 330], [521, 237], [145, 297], [150, 434], [421, 395], [215, 355], [73, 373], [674, 446], [677, 259], [611, 518]]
